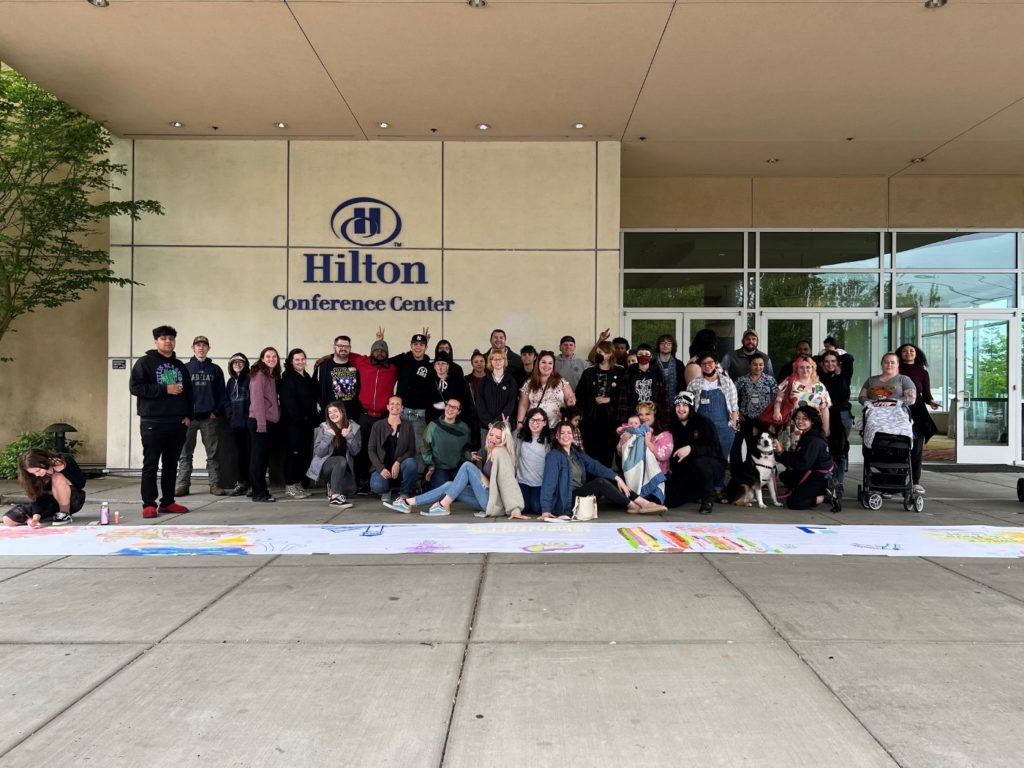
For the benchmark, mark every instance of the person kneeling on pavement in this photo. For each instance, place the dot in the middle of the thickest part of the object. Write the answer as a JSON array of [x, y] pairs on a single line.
[[810, 469], [335, 448], [55, 486], [697, 465]]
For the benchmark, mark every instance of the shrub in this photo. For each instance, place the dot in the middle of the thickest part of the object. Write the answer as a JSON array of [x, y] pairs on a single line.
[[24, 441]]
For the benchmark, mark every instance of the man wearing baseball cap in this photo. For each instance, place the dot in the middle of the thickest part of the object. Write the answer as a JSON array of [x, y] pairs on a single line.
[[208, 404], [696, 465], [163, 388], [415, 387]]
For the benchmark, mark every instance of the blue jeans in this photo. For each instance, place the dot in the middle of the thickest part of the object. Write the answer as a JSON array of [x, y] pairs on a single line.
[[407, 473], [441, 476], [467, 487], [531, 499]]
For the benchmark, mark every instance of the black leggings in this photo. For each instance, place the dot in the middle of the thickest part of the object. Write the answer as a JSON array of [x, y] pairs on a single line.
[[605, 489], [916, 454]]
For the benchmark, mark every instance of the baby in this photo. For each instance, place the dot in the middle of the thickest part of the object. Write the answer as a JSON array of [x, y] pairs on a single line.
[[632, 422]]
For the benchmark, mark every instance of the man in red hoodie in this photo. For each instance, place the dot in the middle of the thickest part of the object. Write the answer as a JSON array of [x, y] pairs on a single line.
[[377, 379]]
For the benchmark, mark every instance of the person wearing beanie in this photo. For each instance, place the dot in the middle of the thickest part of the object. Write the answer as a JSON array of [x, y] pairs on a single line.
[[237, 399], [377, 379], [163, 389], [569, 366], [697, 465], [447, 386], [415, 387]]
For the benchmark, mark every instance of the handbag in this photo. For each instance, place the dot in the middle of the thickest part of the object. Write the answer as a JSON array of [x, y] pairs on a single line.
[[584, 509], [767, 416]]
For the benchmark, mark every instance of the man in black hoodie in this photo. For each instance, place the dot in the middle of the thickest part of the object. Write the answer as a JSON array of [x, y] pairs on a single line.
[[697, 465], [415, 387], [162, 384]]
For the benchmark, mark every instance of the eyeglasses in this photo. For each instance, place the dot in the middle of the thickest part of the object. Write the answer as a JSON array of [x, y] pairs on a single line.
[[537, 420], [454, 407]]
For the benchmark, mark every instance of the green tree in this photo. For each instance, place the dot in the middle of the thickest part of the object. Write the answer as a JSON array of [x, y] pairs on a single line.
[[55, 176]]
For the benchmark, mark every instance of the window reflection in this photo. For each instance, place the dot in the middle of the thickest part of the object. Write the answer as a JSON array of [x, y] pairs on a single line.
[[819, 250], [675, 289], [949, 289], [819, 289], [683, 250], [953, 250]]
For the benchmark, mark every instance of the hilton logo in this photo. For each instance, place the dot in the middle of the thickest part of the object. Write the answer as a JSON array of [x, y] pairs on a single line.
[[366, 221]]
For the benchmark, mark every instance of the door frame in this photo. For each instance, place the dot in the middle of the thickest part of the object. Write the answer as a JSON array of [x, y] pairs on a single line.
[[999, 454]]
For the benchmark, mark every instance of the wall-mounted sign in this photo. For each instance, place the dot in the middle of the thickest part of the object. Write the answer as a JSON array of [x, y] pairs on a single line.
[[362, 221]]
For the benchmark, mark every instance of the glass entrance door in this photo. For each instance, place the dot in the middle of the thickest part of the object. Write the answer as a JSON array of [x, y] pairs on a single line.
[[780, 334], [646, 327], [986, 422]]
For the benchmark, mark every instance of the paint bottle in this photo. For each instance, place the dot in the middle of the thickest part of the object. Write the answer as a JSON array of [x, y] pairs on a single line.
[[104, 513], [117, 517]]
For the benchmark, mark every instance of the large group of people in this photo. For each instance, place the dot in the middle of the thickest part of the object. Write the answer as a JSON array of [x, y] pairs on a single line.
[[521, 434]]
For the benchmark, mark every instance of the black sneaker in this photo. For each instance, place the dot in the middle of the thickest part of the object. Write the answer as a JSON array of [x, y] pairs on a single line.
[[61, 518], [833, 494], [705, 508]]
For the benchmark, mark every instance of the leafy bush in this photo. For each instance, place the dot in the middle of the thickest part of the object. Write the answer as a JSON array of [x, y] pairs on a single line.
[[24, 441]]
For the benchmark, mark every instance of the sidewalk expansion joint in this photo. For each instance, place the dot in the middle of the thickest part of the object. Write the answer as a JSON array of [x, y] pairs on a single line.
[[973, 580], [465, 654]]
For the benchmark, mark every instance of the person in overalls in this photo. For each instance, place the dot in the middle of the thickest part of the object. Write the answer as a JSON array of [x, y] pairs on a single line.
[[716, 399]]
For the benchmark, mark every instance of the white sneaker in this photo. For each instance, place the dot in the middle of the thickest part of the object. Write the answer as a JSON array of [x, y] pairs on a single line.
[[295, 491]]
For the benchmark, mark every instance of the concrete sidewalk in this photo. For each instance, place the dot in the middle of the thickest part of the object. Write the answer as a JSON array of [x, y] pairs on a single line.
[[517, 660]]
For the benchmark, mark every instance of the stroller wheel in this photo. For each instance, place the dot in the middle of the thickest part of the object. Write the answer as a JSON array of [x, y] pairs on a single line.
[[908, 503], [919, 503], [1020, 490], [874, 501]]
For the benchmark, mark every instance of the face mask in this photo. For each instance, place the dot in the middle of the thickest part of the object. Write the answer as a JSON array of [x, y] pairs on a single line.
[[598, 358]]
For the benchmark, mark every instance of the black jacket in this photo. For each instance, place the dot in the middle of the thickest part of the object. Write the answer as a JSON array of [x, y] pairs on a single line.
[[596, 382], [150, 376], [298, 394], [699, 433], [495, 400], [811, 453], [414, 381]]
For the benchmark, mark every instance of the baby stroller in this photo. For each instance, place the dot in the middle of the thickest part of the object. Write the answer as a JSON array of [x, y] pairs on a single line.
[[888, 442]]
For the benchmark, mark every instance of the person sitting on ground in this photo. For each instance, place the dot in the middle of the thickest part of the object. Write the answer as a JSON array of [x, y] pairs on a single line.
[[446, 444], [568, 473], [336, 445], [490, 488], [697, 465], [54, 485], [809, 466], [640, 467], [533, 441], [392, 452]]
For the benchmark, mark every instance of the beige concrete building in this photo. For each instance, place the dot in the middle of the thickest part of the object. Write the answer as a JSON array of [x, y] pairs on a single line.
[[802, 168]]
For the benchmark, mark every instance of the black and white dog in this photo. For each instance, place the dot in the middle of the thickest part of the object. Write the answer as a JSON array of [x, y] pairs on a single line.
[[759, 470]]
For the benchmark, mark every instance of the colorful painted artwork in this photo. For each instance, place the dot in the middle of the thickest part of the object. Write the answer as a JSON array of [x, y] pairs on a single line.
[[650, 537]]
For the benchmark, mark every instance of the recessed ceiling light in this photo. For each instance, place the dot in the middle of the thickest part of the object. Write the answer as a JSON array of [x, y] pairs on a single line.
[[280, 124], [579, 125], [772, 160], [99, 3], [932, 4], [484, 127], [476, 3], [383, 124], [916, 160], [176, 124]]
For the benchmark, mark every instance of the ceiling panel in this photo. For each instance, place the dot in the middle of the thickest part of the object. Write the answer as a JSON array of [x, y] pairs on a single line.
[[708, 158], [731, 82], [528, 70], [137, 66], [986, 158], [820, 72]]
